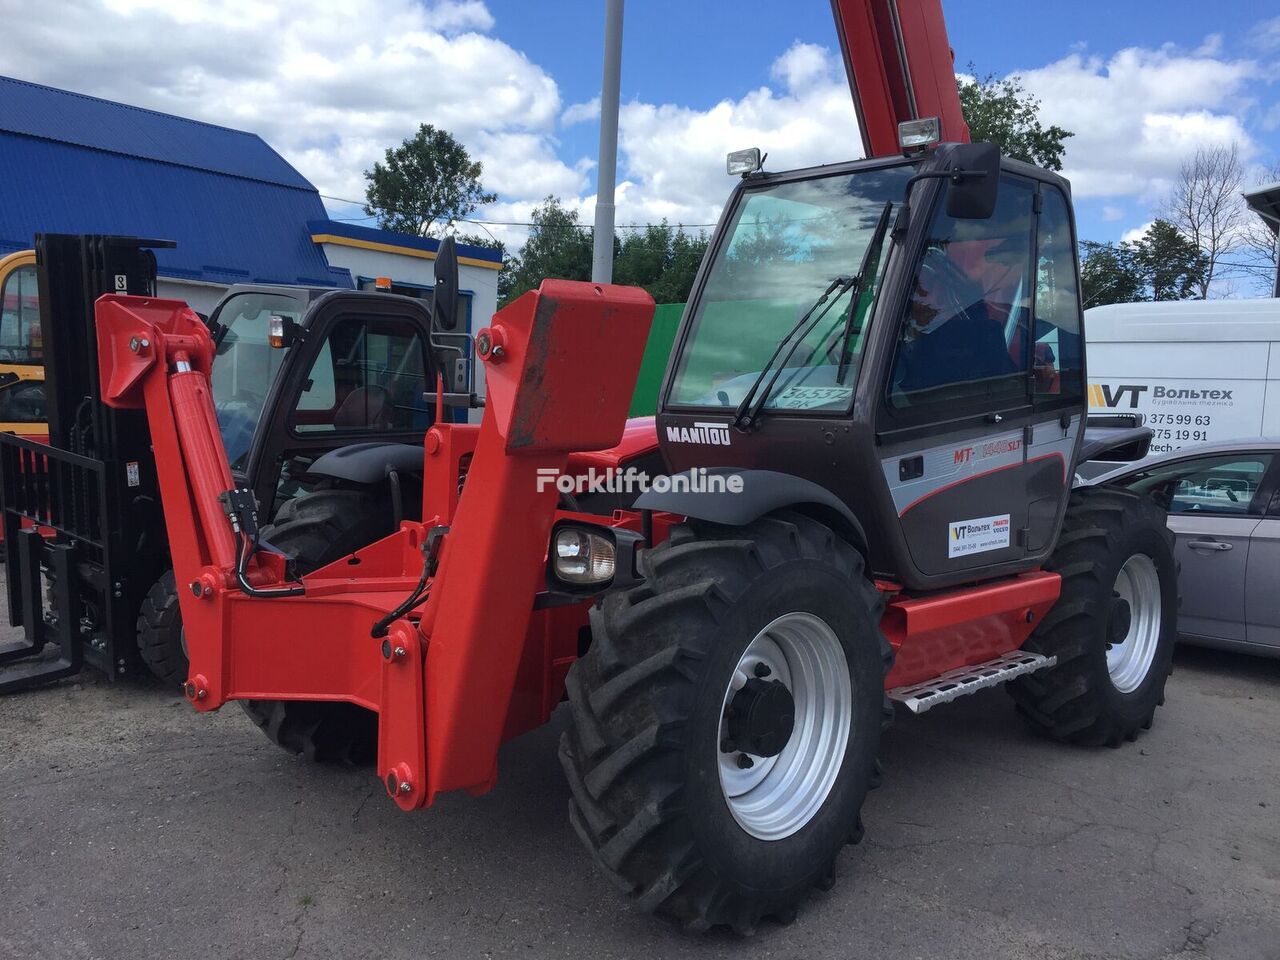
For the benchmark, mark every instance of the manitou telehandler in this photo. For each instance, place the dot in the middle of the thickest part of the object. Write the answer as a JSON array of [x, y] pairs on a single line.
[[861, 495], [335, 402]]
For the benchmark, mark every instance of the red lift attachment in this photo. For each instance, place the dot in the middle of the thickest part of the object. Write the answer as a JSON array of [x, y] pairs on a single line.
[[445, 687]]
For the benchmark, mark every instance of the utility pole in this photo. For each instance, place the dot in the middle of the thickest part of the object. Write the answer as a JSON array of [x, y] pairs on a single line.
[[607, 166]]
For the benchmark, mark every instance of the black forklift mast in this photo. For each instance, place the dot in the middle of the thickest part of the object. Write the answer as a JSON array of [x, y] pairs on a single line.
[[86, 507]]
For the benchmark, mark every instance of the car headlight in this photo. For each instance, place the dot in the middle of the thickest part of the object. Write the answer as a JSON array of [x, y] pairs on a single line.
[[579, 556]]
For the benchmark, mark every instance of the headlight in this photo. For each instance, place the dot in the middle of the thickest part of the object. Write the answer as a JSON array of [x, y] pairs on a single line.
[[579, 556]]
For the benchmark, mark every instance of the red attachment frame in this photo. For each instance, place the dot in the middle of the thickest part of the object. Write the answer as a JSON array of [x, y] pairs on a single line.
[[444, 687], [900, 68]]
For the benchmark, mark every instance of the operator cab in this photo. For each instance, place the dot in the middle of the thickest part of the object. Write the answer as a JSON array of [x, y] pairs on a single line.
[[904, 332], [315, 384]]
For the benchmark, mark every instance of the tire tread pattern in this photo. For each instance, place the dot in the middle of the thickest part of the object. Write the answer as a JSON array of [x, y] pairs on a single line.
[[631, 694]]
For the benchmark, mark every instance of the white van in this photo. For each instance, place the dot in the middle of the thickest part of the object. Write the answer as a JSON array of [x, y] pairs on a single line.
[[1200, 370]]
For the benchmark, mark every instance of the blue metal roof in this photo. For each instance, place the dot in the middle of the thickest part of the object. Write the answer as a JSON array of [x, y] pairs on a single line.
[[351, 231], [75, 164], [73, 118]]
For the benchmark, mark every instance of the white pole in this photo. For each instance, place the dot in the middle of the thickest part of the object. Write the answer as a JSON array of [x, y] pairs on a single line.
[[607, 170]]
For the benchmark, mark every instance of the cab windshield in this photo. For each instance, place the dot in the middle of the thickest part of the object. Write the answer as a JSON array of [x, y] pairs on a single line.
[[246, 365], [786, 243]]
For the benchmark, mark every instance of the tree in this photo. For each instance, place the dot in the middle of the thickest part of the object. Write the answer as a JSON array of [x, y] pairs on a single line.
[[1108, 274], [661, 259], [1003, 113], [1162, 264], [1171, 265], [558, 247], [1207, 208], [428, 180], [658, 257]]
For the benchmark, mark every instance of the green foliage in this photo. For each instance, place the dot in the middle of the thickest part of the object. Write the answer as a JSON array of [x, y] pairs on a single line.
[[1162, 264], [558, 247], [427, 180], [660, 258], [1003, 113]]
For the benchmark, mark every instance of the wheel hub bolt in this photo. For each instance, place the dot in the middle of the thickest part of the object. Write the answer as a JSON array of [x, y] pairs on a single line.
[[762, 669], [745, 761]]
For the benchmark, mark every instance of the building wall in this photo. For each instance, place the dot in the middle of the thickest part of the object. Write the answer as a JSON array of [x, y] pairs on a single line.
[[480, 282], [201, 297]]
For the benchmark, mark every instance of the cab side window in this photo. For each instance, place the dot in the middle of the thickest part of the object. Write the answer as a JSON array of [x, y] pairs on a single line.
[[20, 340], [369, 376], [1216, 485], [1057, 364], [964, 339]]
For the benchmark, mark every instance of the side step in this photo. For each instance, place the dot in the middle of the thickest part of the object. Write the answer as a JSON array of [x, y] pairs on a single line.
[[919, 697]]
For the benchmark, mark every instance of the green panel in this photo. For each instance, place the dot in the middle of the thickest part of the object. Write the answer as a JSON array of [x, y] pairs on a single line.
[[662, 335]]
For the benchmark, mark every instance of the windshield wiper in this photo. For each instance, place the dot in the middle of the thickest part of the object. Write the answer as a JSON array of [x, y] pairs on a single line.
[[866, 271], [873, 249], [747, 410], [754, 399]]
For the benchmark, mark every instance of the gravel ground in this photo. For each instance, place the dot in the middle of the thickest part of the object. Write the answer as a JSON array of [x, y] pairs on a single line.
[[132, 827]]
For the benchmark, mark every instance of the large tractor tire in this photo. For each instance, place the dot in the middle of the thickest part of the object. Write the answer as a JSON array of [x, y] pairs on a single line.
[[316, 529], [159, 629], [1113, 627], [725, 721]]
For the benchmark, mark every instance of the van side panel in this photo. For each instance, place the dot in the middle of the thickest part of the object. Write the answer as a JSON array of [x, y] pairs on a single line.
[[1190, 392]]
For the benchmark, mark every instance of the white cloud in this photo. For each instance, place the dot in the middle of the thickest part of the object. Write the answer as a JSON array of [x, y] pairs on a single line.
[[1137, 115], [450, 15], [581, 112], [803, 66], [1266, 35], [330, 83], [1137, 233], [673, 156]]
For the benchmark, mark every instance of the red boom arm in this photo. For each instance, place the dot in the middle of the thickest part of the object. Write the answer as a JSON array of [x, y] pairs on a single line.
[[900, 68]]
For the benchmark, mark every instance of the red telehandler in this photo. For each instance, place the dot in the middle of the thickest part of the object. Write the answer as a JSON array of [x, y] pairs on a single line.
[[865, 445]]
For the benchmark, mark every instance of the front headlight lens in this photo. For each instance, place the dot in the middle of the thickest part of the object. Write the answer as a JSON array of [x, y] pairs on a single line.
[[580, 556]]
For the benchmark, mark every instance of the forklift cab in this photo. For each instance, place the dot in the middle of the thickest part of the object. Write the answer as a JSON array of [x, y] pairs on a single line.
[[894, 344], [342, 368]]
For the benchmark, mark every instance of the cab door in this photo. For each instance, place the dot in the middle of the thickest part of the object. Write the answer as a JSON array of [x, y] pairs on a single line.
[[22, 397], [975, 462], [362, 373]]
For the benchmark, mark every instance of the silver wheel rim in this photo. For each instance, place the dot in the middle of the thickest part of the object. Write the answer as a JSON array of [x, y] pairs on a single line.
[[778, 795], [1129, 661]]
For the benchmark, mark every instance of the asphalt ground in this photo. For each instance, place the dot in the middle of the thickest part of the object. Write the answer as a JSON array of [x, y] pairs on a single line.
[[131, 827]]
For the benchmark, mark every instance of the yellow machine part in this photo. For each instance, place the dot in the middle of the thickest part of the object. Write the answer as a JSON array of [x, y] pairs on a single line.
[[20, 341]]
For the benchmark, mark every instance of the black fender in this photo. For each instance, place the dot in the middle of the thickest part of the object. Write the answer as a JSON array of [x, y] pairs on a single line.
[[762, 492], [368, 462]]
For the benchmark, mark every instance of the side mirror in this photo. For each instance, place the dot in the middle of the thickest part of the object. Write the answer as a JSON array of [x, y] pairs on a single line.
[[444, 299], [974, 181]]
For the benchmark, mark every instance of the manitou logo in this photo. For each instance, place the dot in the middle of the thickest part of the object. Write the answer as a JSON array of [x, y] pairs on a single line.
[[1104, 395], [713, 434]]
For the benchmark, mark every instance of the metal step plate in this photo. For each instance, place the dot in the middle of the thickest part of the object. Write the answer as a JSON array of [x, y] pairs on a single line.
[[919, 697]]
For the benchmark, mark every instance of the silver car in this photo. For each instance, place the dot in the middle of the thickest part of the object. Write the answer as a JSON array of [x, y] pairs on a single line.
[[1223, 501]]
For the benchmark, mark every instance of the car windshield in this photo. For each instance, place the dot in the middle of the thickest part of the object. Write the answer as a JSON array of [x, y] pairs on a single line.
[[246, 365], [786, 243]]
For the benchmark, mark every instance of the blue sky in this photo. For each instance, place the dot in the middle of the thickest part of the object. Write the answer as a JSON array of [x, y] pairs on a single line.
[[331, 84], [695, 53]]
